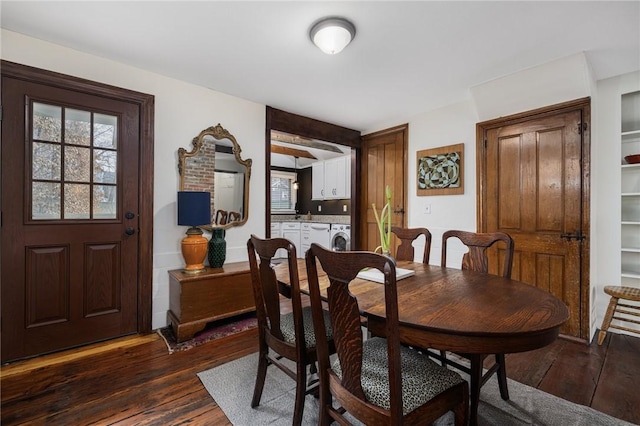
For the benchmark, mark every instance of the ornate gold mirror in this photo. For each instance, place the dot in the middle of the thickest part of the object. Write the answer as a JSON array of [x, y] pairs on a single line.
[[215, 165]]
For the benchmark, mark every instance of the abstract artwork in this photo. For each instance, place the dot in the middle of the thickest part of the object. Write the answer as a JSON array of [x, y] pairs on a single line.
[[440, 170]]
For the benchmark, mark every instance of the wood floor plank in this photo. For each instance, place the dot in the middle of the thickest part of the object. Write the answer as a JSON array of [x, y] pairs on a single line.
[[620, 396], [575, 373], [521, 369]]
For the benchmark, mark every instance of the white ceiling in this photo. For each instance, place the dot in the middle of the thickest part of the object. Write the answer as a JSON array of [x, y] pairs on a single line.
[[407, 57]]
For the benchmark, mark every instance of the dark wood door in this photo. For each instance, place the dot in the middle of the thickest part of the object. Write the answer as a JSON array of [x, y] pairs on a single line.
[[69, 218], [534, 189], [384, 158]]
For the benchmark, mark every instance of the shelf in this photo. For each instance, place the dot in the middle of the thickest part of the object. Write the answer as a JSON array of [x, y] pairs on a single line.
[[626, 274], [630, 194], [631, 249]]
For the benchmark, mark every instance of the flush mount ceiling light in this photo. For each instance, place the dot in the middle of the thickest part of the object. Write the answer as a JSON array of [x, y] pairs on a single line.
[[331, 35]]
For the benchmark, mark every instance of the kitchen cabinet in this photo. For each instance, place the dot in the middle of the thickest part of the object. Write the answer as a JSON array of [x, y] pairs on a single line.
[[630, 191], [317, 180], [331, 179]]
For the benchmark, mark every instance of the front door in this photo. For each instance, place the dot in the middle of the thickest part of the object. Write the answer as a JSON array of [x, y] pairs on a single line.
[[532, 173], [70, 209], [384, 157]]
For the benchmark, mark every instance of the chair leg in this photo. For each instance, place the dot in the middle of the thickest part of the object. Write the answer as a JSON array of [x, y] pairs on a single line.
[[502, 377], [263, 363], [607, 320], [443, 354], [461, 411], [301, 390]]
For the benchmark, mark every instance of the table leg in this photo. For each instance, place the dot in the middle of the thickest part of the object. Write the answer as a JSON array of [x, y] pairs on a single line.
[[502, 377], [476, 383]]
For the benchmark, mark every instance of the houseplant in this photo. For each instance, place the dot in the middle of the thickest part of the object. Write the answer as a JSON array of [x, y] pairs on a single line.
[[384, 223]]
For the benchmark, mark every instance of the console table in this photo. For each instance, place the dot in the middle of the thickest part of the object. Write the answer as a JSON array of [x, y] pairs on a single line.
[[217, 293]]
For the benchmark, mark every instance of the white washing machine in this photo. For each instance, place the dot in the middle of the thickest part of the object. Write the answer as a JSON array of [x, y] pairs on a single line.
[[340, 237]]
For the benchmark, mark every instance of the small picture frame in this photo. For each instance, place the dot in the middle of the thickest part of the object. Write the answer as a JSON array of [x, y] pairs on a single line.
[[440, 171]]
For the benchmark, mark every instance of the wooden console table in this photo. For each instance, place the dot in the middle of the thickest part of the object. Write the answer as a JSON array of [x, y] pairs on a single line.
[[217, 293]]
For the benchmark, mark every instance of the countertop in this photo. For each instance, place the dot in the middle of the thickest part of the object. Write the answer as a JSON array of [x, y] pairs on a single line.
[[339, 219]]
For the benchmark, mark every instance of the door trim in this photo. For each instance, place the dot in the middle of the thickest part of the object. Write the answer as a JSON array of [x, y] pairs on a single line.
[[584, 106], [145, 104]]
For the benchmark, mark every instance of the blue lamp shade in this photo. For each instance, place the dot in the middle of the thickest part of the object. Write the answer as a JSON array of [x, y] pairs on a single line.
[[194, 208]]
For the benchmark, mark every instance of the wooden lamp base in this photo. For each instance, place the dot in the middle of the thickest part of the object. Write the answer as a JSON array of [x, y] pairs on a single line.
[[194, 251]]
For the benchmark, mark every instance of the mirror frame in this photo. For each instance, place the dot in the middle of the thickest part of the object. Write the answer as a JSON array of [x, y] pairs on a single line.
[[218, 133]]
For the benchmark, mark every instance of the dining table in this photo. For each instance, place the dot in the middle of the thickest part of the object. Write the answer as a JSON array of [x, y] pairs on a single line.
[[460, 311]]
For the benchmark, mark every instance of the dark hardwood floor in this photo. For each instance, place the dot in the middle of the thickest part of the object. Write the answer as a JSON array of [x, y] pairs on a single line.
[[136, 381]]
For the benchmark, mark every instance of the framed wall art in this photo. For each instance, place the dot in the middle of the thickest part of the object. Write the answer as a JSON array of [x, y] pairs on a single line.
[[440, 170]]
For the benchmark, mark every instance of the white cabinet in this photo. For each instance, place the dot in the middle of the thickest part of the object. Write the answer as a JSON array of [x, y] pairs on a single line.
[[317, 180], [630, 191], [291, 231], [331, 179], [305, 239]]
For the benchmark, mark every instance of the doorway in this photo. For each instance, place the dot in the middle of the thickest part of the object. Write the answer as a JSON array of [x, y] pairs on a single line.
[[295, 125], [77, 168], [533, 177]]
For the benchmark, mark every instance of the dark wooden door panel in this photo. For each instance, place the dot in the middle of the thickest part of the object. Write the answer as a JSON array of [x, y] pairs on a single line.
[[67, 280]]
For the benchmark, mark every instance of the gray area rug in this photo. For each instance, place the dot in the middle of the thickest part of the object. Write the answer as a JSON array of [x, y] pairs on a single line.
[[231, 386]]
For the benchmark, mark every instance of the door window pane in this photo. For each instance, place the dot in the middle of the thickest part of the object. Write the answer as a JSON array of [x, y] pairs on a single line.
[[47, 122], [77, 127], [104, 201], [105, 131], [45, 200], [77, 167], [76, 201], [104, 166], [45, 161]]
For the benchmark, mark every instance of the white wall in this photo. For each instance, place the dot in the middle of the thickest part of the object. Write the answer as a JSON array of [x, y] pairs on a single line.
[[450, 125], [182, 110]]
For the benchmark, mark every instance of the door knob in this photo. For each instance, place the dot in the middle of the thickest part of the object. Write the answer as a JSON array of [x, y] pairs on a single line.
[[129, 231], [129, 215]]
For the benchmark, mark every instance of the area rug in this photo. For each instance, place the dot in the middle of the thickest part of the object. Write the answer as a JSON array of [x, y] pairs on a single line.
[[213, 331], [231, 386]]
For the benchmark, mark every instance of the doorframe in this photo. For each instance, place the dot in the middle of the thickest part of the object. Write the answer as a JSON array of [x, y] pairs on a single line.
[[584, 106], [314, 129], [145, 104]]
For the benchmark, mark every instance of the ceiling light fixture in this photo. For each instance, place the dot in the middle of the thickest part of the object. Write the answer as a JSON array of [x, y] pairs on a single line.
[[331, 35]]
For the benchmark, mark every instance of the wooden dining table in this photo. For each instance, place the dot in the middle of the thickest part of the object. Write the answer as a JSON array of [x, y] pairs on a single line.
[[465, 312]]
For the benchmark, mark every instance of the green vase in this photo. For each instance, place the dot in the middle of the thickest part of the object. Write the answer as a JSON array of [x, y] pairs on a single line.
[[217, 248]]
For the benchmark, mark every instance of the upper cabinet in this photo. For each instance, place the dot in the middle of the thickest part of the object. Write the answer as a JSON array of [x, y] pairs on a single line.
[[331, 179], [630, 191]]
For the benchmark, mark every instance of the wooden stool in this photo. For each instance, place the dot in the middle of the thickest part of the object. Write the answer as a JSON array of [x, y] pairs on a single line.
[[625, 293]]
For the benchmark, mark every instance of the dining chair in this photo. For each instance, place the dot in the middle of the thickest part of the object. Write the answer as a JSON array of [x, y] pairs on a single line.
[[233, 217], [407, 236], [476, 260], [377, 380], [289, 335], [221, 217]]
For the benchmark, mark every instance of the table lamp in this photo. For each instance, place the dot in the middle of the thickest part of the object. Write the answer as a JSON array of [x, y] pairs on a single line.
[[194, 209]]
